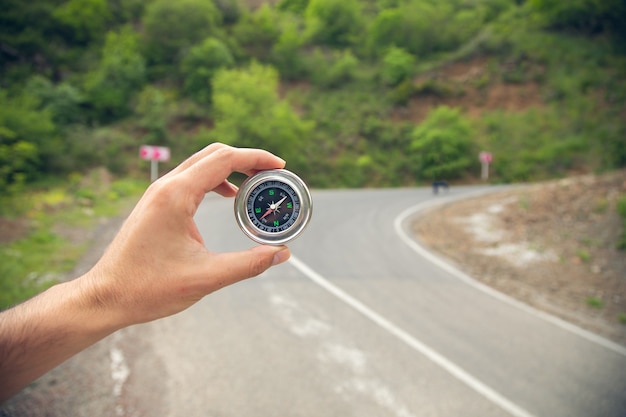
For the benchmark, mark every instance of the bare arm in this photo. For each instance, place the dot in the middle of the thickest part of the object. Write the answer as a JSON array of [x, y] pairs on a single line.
[[156, 266]]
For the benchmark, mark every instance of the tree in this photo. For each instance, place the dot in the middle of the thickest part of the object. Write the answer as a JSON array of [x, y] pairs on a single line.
[[62, 101], [120, 74], [249, 113], [27, 138], [590, 16], [334, 22], [172, 27], [201, 64], [398, 66], [257, 32], [294, 6], [87, 18], [441, 145]]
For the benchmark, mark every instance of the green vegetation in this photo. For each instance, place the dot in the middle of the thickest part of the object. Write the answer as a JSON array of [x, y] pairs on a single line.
[[621, 210], [55, 227], [595, 302], [352, 93], [338, 88]]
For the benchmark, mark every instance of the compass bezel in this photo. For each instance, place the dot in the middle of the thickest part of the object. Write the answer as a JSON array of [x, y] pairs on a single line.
[[244, 216]]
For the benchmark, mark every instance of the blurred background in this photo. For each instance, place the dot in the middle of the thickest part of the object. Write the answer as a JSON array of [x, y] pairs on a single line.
[[369, 93]]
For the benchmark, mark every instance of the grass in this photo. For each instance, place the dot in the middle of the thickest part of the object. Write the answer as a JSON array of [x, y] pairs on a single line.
[[621, 211], [595, 302], [40, 258], [583, 255]]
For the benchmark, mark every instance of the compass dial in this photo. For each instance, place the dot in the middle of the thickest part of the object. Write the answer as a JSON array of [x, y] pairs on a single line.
[[273, 207]]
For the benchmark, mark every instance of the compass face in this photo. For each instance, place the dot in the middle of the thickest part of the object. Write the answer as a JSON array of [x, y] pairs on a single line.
[[273, 207]]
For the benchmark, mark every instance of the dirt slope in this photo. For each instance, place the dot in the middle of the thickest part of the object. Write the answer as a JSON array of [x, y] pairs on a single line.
[[551, 245]]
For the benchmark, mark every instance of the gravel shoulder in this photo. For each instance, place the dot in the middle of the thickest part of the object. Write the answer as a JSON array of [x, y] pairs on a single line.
[[551, 245]]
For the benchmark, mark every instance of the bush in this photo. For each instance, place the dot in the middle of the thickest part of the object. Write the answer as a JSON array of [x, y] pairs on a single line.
[[294, 6], [423, 28], [27, 140], [397, 66], [442, 145], [120, 74], [534, 144], [621, 210], [231, 10], [286, 53], [590, 16], [249, 113], [259, 31], [201, 64], [172, 27], [335, 23], [333, 70], [87, 18], [63, 101]]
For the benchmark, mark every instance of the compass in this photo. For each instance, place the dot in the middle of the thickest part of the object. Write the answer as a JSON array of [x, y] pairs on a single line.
[[273, 207]]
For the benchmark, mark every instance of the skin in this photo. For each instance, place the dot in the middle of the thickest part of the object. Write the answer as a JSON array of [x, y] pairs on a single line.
[[156, 266]]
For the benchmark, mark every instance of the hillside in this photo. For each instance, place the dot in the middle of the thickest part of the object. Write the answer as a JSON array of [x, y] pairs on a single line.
[[351, 93]]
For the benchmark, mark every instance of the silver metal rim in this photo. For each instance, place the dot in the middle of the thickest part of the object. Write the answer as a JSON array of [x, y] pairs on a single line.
[[279, 238]]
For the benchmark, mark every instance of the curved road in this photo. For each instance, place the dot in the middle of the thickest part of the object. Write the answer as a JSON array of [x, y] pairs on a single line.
[[360, 322]]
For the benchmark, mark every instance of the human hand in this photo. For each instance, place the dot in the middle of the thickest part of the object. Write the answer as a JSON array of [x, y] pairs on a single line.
[[158, 264]]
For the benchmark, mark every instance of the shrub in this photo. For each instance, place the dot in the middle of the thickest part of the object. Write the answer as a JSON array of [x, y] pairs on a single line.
[[27, 140], [171, 27], [257, 32], [398, 65], [199, 67], [87, 18], [286, 53], [621, 210], [333, 22], [63, 101], [423, 28], [249, 113], [294, 6], [442, 145], [401, 94], [120, 74], [231, 10], [334, 70], [590, 16]]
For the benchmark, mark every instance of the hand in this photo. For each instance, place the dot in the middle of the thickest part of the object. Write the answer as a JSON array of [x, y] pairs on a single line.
[[158, 264]]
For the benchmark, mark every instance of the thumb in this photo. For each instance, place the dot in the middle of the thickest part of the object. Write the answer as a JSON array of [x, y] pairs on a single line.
[[233, 267]]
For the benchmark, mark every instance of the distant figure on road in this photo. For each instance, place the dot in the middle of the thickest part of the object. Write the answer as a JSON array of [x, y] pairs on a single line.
[[437, 184]]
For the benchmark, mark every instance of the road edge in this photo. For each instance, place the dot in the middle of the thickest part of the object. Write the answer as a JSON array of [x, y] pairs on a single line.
[[401, 228]]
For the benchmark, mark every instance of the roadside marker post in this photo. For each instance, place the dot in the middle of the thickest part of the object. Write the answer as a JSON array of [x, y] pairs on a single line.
[[154, 154], [485, 159]]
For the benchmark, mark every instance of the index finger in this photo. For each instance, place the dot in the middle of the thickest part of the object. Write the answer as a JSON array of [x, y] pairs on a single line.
[[210, 171]]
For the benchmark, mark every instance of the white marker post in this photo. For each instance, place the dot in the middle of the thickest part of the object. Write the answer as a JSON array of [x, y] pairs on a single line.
[[485, 159], [154, 154]]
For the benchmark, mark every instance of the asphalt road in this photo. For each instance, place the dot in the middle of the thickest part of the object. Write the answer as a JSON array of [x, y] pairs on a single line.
[[359, 323]]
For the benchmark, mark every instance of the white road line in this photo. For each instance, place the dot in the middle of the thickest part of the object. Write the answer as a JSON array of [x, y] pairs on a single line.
[[411, 341], [421, 251]]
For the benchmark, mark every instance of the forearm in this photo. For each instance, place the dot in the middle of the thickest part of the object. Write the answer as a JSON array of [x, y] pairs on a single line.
[[46, 330]]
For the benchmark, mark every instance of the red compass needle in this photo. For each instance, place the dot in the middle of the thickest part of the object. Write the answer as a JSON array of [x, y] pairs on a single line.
[[273, 208], [267, 213]]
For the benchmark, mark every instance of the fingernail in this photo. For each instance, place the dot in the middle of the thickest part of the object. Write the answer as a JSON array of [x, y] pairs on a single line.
[[281, 256]]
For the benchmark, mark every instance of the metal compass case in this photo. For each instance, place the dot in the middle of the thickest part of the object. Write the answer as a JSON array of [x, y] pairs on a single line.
[[273, 207]]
